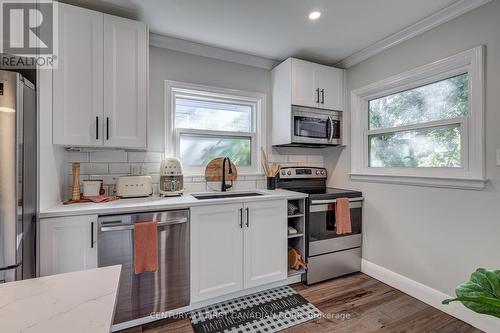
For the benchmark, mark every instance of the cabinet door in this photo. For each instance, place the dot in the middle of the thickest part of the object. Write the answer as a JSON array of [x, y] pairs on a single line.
[[331, 85], [216, 251], [304, 83], [68, 244], [265, 239], [77, 82], [125, 82]]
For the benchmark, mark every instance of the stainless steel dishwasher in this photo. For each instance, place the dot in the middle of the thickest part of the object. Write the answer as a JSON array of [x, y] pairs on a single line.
[[168, 287]]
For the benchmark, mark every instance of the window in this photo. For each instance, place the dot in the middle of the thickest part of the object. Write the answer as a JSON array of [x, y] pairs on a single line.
[[437, 112], [422, 127], [208, 122]]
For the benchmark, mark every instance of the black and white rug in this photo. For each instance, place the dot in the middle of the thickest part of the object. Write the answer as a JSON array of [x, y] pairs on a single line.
[[267, 311]]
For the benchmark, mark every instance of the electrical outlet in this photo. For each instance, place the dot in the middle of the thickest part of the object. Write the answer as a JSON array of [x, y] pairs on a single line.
[[498, 157], [135, 170]]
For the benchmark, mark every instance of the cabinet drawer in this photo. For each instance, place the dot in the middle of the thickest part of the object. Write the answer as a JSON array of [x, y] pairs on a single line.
[[325, 246], [334, 264]]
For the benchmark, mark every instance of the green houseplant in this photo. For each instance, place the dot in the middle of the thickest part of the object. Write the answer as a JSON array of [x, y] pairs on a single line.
[[481, 293]]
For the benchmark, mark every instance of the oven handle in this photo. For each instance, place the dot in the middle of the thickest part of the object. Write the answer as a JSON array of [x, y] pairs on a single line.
[[323, 205], [130, 226], [328, 201], [326, 208]]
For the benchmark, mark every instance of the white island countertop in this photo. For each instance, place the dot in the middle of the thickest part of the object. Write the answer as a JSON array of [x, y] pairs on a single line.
[[160, 203], [74, 302]]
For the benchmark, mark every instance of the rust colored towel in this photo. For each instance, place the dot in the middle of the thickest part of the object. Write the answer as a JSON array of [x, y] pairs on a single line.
[[102, 198], [343, 216], [145, 247]]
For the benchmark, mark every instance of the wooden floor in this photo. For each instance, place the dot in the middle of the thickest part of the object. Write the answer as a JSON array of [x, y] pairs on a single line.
[[355, 303]]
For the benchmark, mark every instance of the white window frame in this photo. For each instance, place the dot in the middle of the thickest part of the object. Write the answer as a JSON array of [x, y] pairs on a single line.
[[472, 171], [258, 133]]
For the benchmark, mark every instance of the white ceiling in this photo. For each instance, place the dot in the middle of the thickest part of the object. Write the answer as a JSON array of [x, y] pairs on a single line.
[[276, 29]]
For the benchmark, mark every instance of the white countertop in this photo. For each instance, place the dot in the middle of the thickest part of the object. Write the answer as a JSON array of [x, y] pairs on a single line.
[[74, 302], [160, 203]]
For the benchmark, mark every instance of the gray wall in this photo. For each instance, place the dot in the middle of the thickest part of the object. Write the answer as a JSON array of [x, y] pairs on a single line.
[[434, 236], [177, 66]]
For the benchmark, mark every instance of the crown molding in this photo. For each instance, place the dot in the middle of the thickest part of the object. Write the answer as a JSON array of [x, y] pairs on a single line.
[[446, 14], [181, 45]]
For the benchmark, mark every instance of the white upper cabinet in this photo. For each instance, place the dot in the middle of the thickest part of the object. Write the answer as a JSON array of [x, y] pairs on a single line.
[[330, 82], [125, 82], [77, 82], [100, 87], [305, 89], [317, 85]]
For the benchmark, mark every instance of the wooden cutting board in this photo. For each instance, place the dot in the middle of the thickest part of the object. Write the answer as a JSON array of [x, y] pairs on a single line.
[[213, 171]]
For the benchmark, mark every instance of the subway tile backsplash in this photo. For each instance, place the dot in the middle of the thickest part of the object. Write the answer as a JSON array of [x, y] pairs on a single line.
[[108, 165]]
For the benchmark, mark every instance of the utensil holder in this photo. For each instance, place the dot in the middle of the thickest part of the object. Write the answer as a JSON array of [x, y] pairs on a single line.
[[271, 183]]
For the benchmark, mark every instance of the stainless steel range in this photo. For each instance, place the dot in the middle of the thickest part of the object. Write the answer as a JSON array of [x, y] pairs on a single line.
[[328, 255]]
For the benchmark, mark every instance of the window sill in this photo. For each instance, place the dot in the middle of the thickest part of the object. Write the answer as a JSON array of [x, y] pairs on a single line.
[[457, 183]]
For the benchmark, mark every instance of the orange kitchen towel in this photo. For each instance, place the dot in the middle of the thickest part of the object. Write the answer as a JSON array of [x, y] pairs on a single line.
[[343, 216], [145, 247]]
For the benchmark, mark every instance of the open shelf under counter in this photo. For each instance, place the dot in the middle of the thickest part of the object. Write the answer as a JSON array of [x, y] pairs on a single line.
[[297, 240]]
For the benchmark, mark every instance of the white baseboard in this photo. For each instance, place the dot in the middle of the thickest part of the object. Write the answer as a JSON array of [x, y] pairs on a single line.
[[430, 296]]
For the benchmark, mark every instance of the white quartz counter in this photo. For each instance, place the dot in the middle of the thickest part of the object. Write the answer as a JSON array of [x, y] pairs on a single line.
[[159, 203], [74, 302]]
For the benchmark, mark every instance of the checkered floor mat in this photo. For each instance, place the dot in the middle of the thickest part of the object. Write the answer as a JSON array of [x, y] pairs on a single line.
[[267, 311]]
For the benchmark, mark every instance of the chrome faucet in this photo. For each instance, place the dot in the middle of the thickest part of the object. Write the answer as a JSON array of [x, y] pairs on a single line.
[[224, 186]]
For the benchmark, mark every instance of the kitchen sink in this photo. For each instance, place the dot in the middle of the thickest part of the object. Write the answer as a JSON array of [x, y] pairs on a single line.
[[206, 196]]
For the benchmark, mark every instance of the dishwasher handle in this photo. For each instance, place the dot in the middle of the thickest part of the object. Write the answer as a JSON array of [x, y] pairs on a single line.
[[130, 226]]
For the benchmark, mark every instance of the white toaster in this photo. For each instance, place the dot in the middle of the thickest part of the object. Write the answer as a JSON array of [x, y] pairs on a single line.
[[134, 186]]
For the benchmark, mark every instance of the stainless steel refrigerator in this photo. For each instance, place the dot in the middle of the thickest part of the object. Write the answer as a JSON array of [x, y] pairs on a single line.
[[18, 177]]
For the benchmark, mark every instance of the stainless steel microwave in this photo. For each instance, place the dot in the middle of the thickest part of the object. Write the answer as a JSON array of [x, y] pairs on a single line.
[[311, 126]]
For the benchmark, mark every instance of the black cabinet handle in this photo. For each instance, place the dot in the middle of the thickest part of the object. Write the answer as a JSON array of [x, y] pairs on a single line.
[[107, 128], [97, 128], [91, 235], [322, 96], [248, 217], [317, 96], [241, 218]]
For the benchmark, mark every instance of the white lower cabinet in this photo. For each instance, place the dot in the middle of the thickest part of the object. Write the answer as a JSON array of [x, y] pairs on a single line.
[[67, 244], [237, 246], [216, 251], [265, 243]]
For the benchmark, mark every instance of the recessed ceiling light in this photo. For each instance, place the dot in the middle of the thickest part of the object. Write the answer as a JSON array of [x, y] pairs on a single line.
[[314, 15]]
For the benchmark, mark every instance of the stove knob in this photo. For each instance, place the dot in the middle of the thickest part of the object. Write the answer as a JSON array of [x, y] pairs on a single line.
[[283, 172], [322, 172], [289, 173], [318, 172]]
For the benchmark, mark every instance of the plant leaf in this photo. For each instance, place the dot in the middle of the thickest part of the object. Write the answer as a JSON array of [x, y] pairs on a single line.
[[482, 293]]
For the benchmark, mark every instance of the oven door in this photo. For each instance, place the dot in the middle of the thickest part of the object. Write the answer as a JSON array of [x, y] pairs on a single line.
[[311, 127], [322, 227]]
